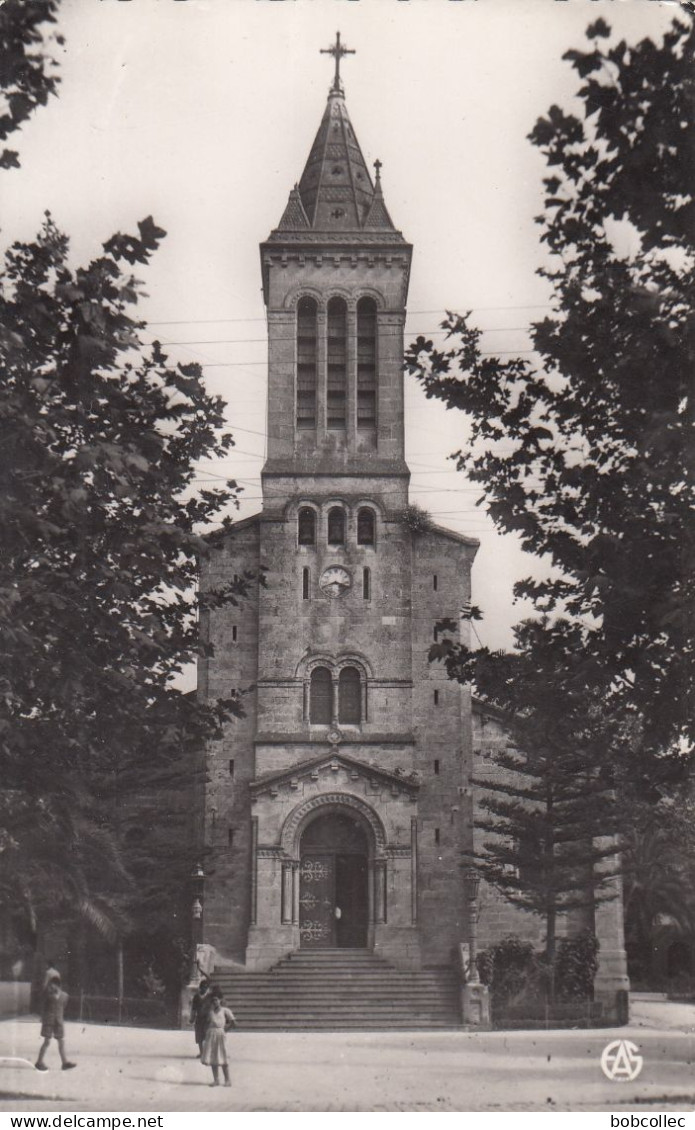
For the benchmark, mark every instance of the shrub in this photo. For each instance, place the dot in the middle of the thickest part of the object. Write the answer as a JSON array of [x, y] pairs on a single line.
[[511, 970], [417, 519], [575, 967]]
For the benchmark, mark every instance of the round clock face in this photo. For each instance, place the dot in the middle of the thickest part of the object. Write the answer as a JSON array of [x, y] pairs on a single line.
[[335, 580]]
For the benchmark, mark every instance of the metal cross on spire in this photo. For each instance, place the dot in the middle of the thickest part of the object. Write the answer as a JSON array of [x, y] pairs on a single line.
[[337, 51]]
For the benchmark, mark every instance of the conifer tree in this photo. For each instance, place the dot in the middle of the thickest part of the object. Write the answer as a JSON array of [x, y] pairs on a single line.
[[547, 807]]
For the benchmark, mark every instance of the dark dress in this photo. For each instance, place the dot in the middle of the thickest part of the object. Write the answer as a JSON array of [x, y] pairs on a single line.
[[200, 1006]]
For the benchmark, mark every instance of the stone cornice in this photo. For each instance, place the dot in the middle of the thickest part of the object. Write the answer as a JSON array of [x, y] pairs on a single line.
[[340, 239], [333, 762], [296, 466], [307, 738]]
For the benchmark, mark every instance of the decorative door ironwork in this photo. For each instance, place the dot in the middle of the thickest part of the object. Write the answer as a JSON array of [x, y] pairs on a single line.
[[316, 901]]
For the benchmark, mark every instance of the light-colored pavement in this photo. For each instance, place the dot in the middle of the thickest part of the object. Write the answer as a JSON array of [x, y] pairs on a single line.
[[131, 1069], [647, 1011]]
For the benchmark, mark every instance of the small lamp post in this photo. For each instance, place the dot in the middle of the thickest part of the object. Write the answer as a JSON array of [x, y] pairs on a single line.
[[197, 891], [475, 999], [472, 880]]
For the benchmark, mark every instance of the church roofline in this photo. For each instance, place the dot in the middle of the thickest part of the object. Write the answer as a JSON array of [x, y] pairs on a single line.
[[461, 538], [482, 707], [226, 531]]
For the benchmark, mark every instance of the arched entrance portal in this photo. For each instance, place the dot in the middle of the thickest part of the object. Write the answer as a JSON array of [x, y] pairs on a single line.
[[333, 883]]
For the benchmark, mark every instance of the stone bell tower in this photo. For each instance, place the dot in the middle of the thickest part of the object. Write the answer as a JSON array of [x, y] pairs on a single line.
[[336, 810]]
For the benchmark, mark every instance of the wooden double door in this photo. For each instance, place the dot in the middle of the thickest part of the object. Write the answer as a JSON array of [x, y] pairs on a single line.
[[333, 885]]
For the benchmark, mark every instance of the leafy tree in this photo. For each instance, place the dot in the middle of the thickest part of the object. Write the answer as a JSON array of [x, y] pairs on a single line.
[[27, 72], [103, 531], [659, 879], [587, 454], [98, 750]]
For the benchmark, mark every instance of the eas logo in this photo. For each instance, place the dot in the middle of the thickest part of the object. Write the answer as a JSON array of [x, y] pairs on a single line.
[[621, 1062]]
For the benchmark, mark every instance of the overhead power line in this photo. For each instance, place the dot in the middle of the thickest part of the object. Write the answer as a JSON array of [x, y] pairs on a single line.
[[290, 337], [234, 364], [463, 305]]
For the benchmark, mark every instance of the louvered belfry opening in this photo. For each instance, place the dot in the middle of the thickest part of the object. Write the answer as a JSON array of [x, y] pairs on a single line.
[[307, 363], [366, 363], [336, 393]]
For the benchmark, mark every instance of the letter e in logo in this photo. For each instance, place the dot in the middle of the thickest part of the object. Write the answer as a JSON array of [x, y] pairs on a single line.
[[621, 1061]]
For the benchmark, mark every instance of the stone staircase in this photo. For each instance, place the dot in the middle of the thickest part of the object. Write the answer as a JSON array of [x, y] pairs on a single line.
[[341, 989]]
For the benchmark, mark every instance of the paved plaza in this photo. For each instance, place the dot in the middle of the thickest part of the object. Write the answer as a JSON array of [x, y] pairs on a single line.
[[136, 1069]]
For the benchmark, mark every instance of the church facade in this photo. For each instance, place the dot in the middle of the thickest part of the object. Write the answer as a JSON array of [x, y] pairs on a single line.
[[337, 810]]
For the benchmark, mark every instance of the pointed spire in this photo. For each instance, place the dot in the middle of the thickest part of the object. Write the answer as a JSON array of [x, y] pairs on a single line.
[[335, 187], [294, 217], [335, 192], [378, 216]]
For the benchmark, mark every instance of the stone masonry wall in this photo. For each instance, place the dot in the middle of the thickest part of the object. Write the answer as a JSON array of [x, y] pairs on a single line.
[[294, 631], [441, 709], [233, 633]]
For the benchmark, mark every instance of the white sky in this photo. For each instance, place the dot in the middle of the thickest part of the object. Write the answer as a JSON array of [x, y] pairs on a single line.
[[202, 113]]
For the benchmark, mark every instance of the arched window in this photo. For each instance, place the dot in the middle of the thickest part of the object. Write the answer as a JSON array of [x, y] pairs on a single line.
[[336, 393], [365, 526], [306, 526], [349, 697], [366, 363], [307, 367], [321, 697], [336, 526]]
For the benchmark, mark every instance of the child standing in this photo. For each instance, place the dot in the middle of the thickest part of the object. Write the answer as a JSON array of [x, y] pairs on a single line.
[[220, 1020], [52, 1011]]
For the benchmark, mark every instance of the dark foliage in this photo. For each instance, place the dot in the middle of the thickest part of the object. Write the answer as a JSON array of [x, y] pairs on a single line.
[[28, 75], [103, 531], [518, 976], [587, 454], [510, 970], [576, 966]]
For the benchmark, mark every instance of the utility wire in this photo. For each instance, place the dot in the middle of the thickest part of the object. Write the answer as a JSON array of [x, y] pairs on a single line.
[[226, 321], [290, 337], [483, 353]]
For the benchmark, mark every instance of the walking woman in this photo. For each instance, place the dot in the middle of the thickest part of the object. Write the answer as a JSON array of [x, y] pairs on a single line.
[[220, 1020]]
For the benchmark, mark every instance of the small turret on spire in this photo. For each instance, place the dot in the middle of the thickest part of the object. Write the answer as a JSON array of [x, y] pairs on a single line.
[[337, 51], [378, 216]]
